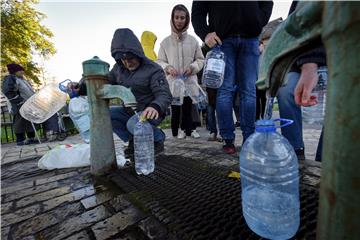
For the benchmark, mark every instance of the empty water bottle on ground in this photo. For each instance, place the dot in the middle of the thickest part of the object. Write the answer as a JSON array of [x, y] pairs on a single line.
[[214, 69], [43, 104], [177, 88], [79, 114], [270, 182], [144, 147], [315, 114]]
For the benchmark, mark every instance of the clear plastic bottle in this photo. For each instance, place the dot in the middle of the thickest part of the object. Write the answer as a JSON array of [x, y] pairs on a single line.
[[43, 104], [315, 114], [177, 89], [270, 183], [214, 69], [79, 114], [144, 147]]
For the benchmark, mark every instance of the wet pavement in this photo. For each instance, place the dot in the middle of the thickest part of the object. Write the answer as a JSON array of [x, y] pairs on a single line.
[[71, 204]]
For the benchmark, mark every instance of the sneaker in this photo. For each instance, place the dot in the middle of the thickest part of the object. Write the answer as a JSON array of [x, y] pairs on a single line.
[[129, 151], [229, 147], [158, 147], [181, 135], [195, 134], [212, 137], [300, 153]]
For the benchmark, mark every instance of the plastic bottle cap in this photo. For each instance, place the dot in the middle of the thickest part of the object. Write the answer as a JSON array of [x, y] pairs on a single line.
[[265, 126]]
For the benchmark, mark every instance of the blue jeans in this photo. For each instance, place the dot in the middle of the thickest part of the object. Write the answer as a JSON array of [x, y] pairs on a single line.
[[241, 71], [290, 110], [211, 119], [122, 121]]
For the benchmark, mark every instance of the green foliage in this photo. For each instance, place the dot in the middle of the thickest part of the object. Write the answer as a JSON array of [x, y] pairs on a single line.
[[23, 36]]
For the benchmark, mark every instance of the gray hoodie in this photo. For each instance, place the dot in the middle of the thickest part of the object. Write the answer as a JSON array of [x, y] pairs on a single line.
[[147, 82]]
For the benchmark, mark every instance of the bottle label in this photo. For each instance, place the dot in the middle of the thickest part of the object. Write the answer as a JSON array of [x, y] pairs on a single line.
[[215, 65]]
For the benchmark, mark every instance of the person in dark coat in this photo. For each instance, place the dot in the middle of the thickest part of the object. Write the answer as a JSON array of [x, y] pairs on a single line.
[[147, 82], [235, 26]]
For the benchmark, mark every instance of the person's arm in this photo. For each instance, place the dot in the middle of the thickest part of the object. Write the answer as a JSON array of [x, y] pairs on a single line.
[[198, 64], [307, 82], [10, 90], [199, 12], [162, 94], [266, 9], [163, 61]]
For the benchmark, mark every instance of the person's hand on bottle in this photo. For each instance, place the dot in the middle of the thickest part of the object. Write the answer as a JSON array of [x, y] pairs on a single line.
[[150, 113], [172, 71], [307, 82], [212, 39], [187, 72]]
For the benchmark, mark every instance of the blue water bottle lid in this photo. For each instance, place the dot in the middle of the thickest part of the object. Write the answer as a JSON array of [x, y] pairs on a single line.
[[265, 126]]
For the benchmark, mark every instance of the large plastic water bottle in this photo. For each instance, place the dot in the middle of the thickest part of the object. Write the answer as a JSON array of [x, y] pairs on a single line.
[[315, 114], [144, 147], [214, 69], [43, 104], [270, 182], [79, 114], [177, 89]]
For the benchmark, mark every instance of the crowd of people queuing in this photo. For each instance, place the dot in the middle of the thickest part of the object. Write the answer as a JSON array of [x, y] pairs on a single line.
[[241, 29]]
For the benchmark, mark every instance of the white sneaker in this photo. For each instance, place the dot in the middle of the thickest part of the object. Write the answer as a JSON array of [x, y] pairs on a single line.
[[195, 134], [181, 135]]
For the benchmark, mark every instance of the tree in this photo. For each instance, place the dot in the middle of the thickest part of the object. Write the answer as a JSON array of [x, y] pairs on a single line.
[[23, 37]]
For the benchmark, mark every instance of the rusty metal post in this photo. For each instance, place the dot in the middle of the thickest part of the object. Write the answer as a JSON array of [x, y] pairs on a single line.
[[339, 213], [102, 149]]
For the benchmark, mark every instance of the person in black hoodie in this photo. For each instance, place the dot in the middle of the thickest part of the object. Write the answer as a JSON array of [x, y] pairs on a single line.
[[235, 26], [305, 67], [147, 82]]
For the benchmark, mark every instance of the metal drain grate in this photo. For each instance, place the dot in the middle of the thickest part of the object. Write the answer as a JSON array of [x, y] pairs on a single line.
[[197, 201]]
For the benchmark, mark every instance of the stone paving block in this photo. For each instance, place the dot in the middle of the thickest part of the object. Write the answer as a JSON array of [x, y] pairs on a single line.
[[153, 229], [77, 223], [5, 233], [71, 197], [29, 191], [5, 207], [79, 236], [45, 220], [116, 223], [97, 199], [42, 196], [20, 215], [119, 203], [9, 159], [15, 187], [11, 153], [56, 178], [28, 155]]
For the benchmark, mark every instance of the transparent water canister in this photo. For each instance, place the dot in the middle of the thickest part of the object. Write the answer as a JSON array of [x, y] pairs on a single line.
[[316, 114], [144, 147], [43, 104], [196, 93], [79, 114], [214, 69], [177, 88], [270, 182]]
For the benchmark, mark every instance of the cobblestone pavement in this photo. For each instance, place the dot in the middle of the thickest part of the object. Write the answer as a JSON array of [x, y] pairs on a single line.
[[71, 204]]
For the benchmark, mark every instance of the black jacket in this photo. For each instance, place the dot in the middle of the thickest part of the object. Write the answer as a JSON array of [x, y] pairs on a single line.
[[10, 90], [317, 55], [148, 82], [243, 18]]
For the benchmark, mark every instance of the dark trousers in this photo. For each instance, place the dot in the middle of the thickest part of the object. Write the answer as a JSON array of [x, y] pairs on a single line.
[[260, 103], [185, 113]]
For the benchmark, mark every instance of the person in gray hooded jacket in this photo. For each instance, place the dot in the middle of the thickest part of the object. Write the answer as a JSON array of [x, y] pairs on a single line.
[[147, 82]]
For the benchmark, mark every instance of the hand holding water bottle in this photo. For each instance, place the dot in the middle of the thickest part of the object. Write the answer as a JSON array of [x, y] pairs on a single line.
[[150, 113]]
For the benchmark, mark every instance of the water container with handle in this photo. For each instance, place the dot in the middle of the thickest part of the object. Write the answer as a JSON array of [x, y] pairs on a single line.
[[79, 114], [270, 182], [144, 147], [214, 69], [43, 104], [315, 114], [177, 88]]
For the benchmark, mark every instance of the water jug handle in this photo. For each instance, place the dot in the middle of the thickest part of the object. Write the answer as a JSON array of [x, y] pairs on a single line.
[[63, 87], [287, 122]]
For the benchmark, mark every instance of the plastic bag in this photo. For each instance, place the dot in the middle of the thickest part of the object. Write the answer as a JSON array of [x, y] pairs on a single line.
[[72, 155]]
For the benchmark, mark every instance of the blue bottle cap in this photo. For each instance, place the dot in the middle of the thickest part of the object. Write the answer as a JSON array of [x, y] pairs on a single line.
[[265, 126]]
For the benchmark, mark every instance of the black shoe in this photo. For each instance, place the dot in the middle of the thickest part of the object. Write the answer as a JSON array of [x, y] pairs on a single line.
[[129, 151], [300, 153], [158, 147]]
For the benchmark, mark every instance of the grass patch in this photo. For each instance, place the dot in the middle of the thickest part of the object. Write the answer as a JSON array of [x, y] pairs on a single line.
[[166, 123]]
